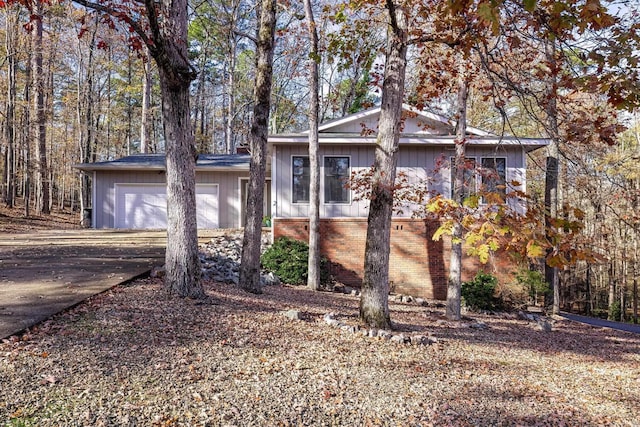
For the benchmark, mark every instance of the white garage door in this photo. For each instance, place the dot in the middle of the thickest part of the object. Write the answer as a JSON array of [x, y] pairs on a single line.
[[145, 206]]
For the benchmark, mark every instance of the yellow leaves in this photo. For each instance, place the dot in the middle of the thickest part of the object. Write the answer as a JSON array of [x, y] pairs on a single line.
[[534, 250], [446, 228], [440, 205], [472, 201]]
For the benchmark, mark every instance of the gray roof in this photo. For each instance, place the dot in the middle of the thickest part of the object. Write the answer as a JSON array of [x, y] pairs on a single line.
[[220, 162]]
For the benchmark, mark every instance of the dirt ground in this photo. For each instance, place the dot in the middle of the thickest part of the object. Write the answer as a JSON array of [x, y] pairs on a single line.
[[13, 220]]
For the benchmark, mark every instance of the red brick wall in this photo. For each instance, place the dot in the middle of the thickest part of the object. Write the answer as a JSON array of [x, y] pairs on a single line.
[[418, 265]]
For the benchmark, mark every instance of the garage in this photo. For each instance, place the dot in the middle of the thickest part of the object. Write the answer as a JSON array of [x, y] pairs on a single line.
[[144, 206]]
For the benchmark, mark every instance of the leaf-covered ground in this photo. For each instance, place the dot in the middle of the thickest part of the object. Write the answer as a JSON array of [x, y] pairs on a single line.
[[13, 220], [135, 356]]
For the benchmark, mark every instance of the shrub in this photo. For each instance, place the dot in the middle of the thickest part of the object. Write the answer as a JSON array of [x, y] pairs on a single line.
[[289, 258], [615, 311], [533, 281], [479, 293], [527, 287]]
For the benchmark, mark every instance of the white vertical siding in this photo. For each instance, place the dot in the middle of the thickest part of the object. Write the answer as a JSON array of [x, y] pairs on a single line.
[[420, 163], [105, 181]]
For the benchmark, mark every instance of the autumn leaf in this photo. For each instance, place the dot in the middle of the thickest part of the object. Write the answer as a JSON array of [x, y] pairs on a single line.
[[534, 250], [472, 201], [529, 5]]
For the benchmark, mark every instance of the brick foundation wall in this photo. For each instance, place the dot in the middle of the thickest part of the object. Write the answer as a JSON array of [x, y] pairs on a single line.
[[418, 265]]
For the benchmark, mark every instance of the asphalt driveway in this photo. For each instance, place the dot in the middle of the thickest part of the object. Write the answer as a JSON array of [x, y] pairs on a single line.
[[46, 272], [601, 323]]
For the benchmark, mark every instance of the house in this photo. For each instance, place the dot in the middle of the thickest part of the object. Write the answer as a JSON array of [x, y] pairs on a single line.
[[129, 192]]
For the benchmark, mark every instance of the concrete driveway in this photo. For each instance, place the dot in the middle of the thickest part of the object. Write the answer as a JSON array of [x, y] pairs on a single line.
[[46, 272]]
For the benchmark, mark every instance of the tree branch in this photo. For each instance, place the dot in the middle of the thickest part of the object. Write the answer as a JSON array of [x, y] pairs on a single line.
[[121, 15]]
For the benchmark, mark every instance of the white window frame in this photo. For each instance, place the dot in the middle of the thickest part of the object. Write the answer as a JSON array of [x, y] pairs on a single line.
[[322, 170], [290, 178], [452, 160], [506, 172]]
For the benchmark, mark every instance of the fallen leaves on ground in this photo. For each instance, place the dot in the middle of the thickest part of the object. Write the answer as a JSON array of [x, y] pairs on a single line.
[[136, 356]]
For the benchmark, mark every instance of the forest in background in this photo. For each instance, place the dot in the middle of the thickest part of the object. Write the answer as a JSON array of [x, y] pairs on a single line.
[[75, 89]]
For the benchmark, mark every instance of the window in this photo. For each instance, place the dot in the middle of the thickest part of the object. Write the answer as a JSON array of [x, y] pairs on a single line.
[[469, 184], [336, 174], [301, 179], [494, 174]]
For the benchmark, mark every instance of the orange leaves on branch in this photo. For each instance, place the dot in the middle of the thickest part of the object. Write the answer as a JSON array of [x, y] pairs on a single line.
[[490, 224]]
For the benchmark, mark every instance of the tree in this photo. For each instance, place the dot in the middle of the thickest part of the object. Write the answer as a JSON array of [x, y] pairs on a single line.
[[162, 27], [251, 242], [313, 280], [42, 170], [11, 40], [454, 282], [374, 305]]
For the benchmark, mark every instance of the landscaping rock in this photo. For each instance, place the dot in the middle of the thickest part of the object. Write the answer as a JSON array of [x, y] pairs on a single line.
[[220, 259], [420, 340], [292, 314], [544, 325], [385, 335], [398, 339], [479, 325]]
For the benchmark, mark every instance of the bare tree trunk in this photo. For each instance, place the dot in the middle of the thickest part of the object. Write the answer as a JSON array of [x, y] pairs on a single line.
[[589, 296], [85, 117], [454, 283], [374, 302], [145, 128], [612, 289], [42, 174], [552, 169], [182, 262], [167, 44], [26, 135], [250, 265], [231, 101], [313, 279], [635, 297], [11, 32]]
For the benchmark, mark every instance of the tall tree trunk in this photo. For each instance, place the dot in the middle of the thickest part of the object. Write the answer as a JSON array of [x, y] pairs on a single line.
[[454, 283], [11, 32], [42, 171], [250, 266], [313, 278], [374, 301], [85, 116], [231, 100], [166, 40], [635, 277], [129, 104], [588, 296], [182, 262], [27, 131], [552, 169], [612, 289], [145, 128]]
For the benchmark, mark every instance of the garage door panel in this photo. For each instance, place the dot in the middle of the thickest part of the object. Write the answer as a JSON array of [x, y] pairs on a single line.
[[144, 206], [207, 206]]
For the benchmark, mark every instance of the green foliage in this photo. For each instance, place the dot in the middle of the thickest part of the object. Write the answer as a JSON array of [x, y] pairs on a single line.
[[533, 281], [479, 294], [615, 311], [289, 258]]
